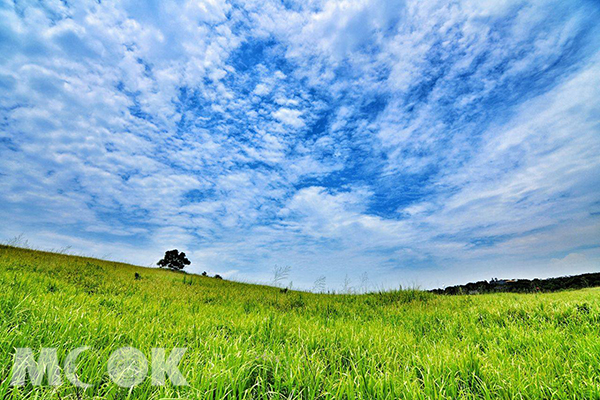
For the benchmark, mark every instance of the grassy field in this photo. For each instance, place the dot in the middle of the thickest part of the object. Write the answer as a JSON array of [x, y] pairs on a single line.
[[254, 342]]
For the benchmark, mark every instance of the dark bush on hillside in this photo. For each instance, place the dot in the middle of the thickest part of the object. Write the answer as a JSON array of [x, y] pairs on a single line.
[[137, 276], [217, 276], [174, 260], [204, 273]]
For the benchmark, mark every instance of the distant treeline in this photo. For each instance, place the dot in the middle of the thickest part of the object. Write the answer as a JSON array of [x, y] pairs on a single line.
[[524, 285]]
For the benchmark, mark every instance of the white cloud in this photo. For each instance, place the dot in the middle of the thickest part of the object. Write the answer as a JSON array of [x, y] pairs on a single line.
[[289, 117], [261, 89]]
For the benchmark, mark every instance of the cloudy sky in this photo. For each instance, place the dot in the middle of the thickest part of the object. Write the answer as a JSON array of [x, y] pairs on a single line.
[[410, 142]]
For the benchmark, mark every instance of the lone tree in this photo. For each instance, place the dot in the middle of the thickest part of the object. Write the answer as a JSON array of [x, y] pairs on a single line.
[[174, 260]]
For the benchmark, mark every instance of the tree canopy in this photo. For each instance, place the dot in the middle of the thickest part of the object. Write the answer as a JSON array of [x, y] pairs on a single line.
[[174, 260]]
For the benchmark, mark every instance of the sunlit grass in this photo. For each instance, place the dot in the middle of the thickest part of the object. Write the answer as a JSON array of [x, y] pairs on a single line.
[[247, 341]]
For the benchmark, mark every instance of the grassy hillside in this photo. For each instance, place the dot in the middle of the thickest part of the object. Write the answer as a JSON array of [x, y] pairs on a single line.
[[253, 342]]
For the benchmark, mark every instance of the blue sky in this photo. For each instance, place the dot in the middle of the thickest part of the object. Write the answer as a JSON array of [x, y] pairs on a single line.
[[413, 142]]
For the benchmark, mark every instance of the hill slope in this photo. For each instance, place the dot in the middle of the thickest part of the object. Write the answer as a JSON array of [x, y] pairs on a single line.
[[248, 341]]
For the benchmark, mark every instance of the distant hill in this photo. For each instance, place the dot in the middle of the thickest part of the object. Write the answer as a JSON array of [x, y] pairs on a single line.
[[524, 285]]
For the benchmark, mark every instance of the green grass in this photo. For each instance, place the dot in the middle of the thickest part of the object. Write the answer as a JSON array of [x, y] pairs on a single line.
[[253, 342]]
